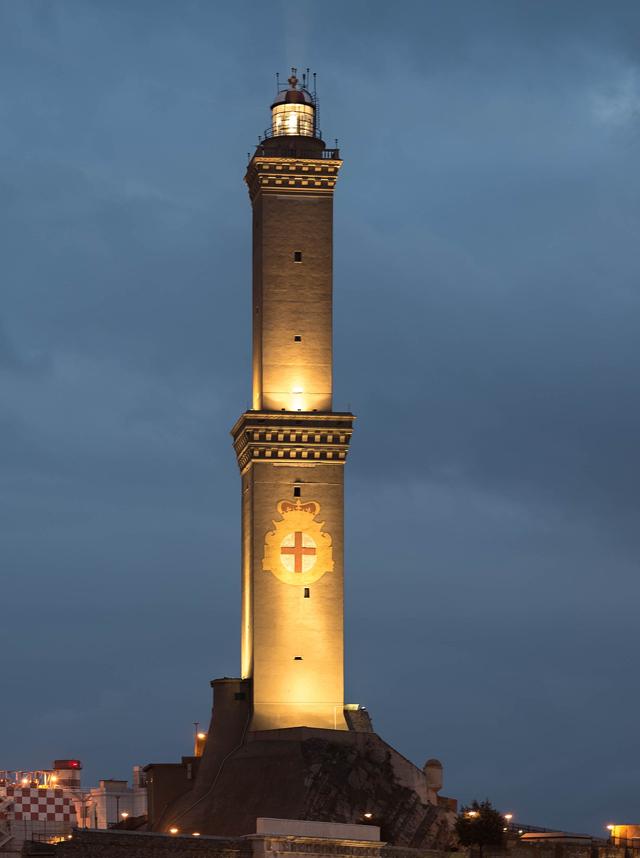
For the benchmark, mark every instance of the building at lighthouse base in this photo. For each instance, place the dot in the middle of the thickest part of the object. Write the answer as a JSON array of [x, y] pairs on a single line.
[[340, 776]]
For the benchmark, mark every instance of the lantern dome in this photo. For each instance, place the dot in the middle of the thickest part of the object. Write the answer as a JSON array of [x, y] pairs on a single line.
[[293, 96]]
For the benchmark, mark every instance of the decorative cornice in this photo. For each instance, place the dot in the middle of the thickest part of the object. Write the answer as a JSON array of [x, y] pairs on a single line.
[[292, 437], [297, 175]]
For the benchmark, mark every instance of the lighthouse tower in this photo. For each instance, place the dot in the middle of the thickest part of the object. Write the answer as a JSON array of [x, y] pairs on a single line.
[[291, 446], [282, 747]]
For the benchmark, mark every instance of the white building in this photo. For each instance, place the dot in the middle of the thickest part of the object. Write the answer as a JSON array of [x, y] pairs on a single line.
[[48, 804], [115, 801]]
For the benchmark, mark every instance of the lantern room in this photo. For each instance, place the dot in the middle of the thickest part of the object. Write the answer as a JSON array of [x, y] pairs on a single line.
[[293, 113]]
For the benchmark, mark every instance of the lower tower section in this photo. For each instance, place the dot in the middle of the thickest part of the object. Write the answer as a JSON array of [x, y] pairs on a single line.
[[292, 470]]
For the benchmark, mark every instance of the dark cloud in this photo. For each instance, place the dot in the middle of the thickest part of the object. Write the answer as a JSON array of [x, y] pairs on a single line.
[[487, 313]]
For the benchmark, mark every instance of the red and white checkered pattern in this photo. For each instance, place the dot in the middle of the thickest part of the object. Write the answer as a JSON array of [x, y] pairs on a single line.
[[40, 805]]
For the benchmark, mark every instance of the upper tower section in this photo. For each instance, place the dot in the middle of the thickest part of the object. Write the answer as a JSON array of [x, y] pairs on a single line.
[[291, 179], [295, 129]]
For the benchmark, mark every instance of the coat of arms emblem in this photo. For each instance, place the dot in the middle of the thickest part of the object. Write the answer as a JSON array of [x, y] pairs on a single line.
[[298, 551]]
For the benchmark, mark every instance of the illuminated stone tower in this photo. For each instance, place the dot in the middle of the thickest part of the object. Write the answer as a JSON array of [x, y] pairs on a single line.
[[292, 446]]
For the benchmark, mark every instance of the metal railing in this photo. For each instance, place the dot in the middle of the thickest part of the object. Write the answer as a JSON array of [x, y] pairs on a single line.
[[269, 133], [325, 154]]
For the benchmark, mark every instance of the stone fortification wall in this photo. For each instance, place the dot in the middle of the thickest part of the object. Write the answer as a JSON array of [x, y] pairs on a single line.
[[133, 844], [555, 849], [116, 844], [123, 844], [322, 775]]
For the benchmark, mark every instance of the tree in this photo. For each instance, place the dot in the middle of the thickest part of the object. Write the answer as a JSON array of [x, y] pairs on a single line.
[[480, 824]]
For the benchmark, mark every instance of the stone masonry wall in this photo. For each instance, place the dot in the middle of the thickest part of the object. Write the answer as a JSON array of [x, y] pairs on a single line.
[[126, 844]]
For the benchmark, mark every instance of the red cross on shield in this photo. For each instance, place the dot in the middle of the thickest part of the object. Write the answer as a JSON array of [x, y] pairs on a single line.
[[298, 552]]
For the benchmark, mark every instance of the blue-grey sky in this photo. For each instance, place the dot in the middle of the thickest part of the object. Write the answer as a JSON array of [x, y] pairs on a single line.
[[487, 316]]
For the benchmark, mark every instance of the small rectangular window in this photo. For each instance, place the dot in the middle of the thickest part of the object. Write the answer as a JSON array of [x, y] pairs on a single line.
[[240, 695], [296, 491], [297, 658], [307, 593], [297, 256], [297, 338]]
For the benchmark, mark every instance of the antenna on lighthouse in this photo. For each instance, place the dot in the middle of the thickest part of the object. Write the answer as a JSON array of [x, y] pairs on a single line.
[[314, 96]]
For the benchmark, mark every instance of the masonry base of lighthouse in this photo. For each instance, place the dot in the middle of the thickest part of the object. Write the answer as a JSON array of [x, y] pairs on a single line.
[[347, 776]]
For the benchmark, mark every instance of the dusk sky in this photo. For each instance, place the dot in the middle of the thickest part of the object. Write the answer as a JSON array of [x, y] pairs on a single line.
[[487, 319]]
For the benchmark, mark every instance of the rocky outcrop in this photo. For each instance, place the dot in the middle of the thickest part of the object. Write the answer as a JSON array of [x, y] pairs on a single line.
[[324, 775]]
